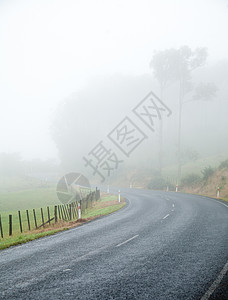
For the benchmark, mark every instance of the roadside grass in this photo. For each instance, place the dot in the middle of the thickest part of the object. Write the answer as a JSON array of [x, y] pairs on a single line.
[[26, 237], [106, 205]]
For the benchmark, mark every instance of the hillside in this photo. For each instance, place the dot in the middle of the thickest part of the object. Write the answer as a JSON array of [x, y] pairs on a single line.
[[202, 176], [209, 187]]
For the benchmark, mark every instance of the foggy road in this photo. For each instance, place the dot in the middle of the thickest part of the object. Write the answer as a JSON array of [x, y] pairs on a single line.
[[160, 246]]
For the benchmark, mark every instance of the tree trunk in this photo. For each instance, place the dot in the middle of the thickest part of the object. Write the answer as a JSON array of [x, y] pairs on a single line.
[[181, 96], [160, 153]]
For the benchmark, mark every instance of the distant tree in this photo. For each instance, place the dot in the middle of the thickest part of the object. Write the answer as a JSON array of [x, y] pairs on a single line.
[[223, 165], [187, 62], [177, 65], [207, 173], [205, 91], [190, 180], [162, 64]]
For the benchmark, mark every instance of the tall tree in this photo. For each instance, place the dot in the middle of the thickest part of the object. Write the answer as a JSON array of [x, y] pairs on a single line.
[[177, 65], [187, 62], [161, 64]]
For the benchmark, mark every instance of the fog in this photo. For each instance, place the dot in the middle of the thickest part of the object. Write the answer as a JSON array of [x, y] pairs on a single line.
[[71, 71]]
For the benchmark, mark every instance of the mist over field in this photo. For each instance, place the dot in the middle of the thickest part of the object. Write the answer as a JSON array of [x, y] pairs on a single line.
[[72, 71]]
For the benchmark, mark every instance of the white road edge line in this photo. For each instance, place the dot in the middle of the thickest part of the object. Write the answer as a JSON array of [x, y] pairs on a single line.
[[127, 241], [166, 217], [216, 283], [222, 203]]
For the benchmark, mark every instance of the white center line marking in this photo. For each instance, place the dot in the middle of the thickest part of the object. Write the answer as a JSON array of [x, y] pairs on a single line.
[[216, 283], [173, 205], [127, 241], [166, 217]]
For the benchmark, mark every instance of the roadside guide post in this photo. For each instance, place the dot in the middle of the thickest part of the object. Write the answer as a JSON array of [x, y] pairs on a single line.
[[218, 192], [79, 210]]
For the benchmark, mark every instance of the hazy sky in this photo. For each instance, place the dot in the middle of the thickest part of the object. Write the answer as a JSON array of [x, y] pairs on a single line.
[[49, 49]]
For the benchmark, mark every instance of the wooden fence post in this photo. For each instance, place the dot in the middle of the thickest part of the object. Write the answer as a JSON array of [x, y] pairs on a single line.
[[1, 227], [64, 212], [10, 225], [48, 211], [76, 209], [59, 213], [73, 210], [19, 215], [28, 219], [42, 216], [61, 209], [56, 214], [34, 215], [67, 211], [70, 211]]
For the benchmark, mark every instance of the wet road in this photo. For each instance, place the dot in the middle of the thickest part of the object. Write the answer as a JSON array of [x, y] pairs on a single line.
[[160, 246]]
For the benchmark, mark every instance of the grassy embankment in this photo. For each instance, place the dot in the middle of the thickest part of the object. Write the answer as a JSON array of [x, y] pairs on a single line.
[[204, 176]]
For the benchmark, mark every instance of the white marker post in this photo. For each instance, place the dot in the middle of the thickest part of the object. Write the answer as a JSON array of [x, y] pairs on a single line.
[[176, 188], [167, 189], [108, 189], [119, 196], [79, 210], [218, 192]]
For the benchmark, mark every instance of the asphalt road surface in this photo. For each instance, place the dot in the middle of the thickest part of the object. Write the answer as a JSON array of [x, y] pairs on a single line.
[[162, 245]]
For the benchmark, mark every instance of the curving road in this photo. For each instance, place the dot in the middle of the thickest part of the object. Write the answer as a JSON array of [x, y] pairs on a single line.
[[160, 246]]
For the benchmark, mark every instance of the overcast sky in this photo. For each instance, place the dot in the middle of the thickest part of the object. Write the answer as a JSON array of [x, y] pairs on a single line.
[[50, 49]]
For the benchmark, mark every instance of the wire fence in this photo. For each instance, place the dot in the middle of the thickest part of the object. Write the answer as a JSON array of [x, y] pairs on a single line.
[[31, 219]]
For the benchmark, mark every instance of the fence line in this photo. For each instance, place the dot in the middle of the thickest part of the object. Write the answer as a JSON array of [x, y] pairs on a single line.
[[63, 213]]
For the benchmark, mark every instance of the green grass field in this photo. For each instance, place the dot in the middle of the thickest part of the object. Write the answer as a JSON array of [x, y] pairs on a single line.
[[29, 199], [25, 194]]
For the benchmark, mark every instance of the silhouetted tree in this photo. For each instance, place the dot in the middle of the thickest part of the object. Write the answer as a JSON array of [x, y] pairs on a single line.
[[178, 65], [163, 63], [205, 91]]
